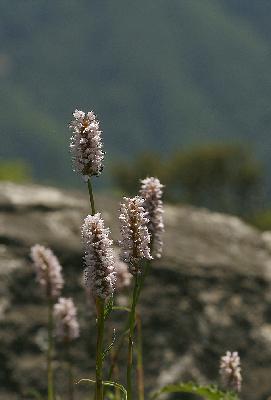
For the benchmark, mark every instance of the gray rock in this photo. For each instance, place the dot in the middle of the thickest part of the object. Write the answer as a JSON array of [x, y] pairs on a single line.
[[208, 294]]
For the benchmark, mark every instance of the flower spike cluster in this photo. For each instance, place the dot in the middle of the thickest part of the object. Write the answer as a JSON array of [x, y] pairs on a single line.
[[48, 270], [86, 144], [230, 371], [100, 273], [135, 235], [151, 191], [65, 314]]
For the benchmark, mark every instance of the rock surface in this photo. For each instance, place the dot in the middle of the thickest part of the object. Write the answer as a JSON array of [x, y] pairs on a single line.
[[208, 294]]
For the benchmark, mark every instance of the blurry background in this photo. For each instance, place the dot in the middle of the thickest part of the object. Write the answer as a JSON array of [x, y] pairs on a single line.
[[183, 91], [187, 82]]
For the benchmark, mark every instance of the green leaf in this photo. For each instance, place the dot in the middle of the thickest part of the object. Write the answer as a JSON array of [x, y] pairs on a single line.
[[209, 392], [110, 346], [85, 380], [109, 307], [118, 386], [107, 383]]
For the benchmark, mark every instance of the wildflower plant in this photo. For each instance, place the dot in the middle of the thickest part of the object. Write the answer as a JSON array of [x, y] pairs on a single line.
[[87, 156], [49, 276], [141, 242], [141, 230], [135, 247]]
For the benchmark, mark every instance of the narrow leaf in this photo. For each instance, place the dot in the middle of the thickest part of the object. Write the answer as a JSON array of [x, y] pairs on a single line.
[[85, 380], [111, 344], [208, 392], [107, 383], [109, 307], [118, 386]]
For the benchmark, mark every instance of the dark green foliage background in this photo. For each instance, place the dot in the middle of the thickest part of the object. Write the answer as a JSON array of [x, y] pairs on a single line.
[[160, 74]]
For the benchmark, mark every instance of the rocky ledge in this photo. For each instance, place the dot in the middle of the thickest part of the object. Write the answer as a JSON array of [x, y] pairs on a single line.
[[209, 293]]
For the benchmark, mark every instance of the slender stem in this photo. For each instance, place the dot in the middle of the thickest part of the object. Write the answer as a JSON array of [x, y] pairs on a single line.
[[116, 353], [50, 351], [100, 306], [70, 371], [131, 337], [140, 369], [145, 271], [91, 198], [99, 349]]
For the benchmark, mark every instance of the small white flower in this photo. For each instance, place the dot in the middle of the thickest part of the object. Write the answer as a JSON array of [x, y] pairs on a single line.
[[86, 144], [48, 270], [135, 236], [151, 191], [65, 314], [230, 371], [100, 273]]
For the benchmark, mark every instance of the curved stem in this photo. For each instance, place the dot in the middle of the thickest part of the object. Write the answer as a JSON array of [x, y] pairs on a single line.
[[131, 337], [99, 349], [91, 198], [50, 351]]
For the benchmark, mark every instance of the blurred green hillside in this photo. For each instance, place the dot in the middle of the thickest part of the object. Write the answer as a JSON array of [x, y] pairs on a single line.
[[160, 75]]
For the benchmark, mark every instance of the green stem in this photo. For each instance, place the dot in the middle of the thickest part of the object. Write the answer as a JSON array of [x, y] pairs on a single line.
[[70, 371], [144, 274], [91, 198], [116, 353], [100, 306], [50, 351], [131, 337], [99, 349], [140, 369]]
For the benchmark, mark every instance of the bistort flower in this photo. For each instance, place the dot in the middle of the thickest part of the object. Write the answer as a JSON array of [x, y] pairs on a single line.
[[230, 371], [151, 191], [100, 273], [86, 144], [48, 270], [123, 276], [65, 315], [134, 232]]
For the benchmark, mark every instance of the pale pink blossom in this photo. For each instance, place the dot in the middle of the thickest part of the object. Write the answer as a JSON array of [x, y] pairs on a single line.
[[86, 144], [100, 274], [48, 270], [134, 232], [65, 315], [230, 371], [151, 191]]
